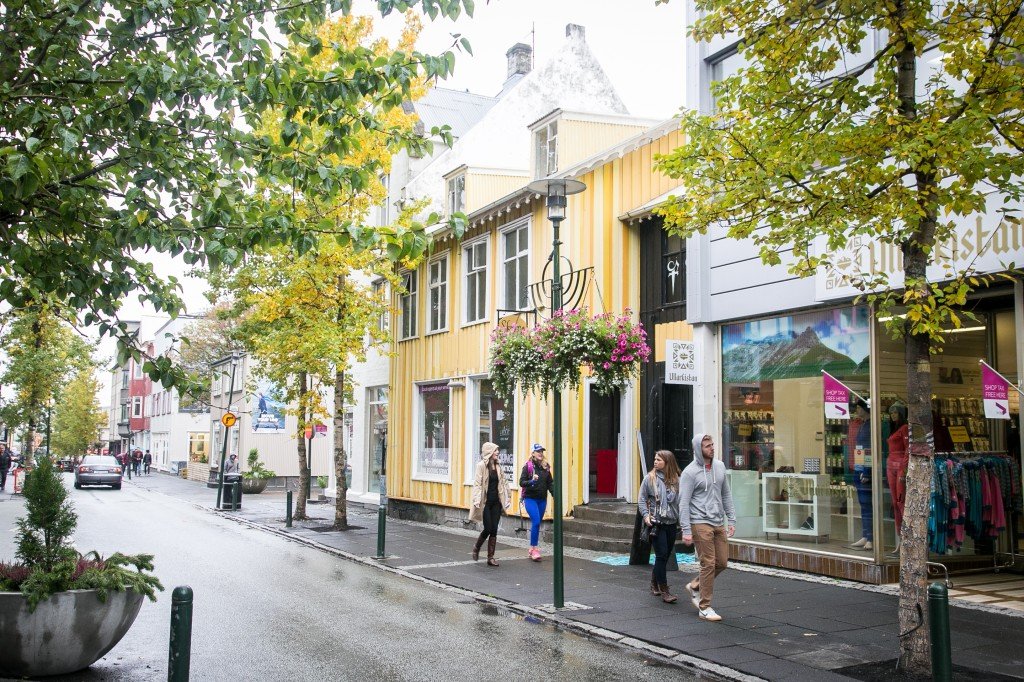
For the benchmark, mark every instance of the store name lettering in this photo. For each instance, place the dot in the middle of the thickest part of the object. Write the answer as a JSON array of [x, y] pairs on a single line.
[[682, 377]]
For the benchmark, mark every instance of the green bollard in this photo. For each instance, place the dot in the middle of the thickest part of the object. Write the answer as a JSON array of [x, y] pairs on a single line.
[[288, 510], [238, 495], [381, 530], [938, 623], [180, 651]]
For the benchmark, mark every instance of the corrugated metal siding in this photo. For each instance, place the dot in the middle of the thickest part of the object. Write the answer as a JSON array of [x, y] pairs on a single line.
[[483, 188], [592, 235], [579, 140]]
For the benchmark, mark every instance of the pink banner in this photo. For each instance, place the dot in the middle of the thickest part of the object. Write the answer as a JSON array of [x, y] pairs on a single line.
[[995, 391], [837, 398]]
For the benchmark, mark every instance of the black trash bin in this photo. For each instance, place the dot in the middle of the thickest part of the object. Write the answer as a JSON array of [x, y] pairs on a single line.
[[232, 497]]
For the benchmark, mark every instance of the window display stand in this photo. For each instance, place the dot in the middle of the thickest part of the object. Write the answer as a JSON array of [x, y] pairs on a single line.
[[845, 496], [793, 505]]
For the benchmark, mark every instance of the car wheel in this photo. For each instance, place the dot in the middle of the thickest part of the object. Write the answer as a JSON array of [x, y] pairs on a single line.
[[78, 485], [116, 486]]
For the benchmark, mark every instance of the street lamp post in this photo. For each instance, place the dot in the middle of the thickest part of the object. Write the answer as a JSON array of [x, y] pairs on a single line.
[[227, 430], [124, 429], [557, 190]]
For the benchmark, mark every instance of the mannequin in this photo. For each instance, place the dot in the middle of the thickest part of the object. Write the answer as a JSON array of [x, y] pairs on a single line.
[[896, 466], [861, 447]]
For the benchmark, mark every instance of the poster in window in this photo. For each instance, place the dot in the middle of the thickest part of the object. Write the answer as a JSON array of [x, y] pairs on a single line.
[[267, 408]]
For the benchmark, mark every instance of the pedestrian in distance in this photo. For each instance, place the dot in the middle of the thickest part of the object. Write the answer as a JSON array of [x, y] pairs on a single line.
[[231, 466], [658, 501], [705, 505], [136, 461], [147, 461], [535, 482], [491, 495], [5, 464]]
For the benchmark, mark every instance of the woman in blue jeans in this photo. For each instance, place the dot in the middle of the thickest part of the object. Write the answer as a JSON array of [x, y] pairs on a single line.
[[535, 482], [658, 501]]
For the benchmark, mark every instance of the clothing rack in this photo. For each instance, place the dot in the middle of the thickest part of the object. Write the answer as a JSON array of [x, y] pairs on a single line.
[[937, 567]]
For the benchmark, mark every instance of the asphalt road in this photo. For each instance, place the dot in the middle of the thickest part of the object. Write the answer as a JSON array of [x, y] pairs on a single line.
[[270, 609]]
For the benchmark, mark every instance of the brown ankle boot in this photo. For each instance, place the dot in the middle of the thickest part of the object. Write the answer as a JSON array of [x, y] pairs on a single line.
[[491, 542], [667, 596], [655, 588], [477, 546]]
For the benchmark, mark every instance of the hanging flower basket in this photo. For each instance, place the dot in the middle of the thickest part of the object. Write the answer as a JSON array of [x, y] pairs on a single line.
[[551, 355]]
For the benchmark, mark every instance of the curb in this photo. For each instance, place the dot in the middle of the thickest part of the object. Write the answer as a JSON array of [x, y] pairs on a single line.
[[663, 655]]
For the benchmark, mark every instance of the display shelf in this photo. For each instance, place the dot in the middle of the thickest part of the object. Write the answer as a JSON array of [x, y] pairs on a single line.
[[796, 504]]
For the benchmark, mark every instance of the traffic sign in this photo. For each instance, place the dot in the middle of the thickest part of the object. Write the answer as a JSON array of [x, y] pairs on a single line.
[[228, 419]]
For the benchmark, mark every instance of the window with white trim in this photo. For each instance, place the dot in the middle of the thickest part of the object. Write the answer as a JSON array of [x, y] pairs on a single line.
[[136, 369], [474, 268], [384, 209], [491, 419], [380, 293], [408, 304], [515, 255], [437, 294], [137, 406], [456, 194], [432, 460], [547, 150]]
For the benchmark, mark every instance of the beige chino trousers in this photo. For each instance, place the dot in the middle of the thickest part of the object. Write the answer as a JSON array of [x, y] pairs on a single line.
[[712, 546]]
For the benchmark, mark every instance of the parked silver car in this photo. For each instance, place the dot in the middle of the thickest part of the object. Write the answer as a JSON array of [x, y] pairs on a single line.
[[98, 470]]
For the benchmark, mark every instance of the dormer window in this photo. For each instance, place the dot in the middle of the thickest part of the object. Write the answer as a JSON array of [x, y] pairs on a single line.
[[456, 194], [547, 149]]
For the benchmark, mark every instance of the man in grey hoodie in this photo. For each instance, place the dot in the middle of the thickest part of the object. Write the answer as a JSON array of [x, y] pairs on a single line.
[[705, 504]]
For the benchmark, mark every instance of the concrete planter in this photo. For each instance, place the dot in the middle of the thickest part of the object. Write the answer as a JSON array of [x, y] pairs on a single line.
[[253, 486], [67, 632]]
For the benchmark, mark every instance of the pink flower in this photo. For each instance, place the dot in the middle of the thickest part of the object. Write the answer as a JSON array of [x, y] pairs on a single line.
[[607, 365]]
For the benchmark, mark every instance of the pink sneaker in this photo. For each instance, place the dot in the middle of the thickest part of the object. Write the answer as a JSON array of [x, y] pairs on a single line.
[[534, 554]]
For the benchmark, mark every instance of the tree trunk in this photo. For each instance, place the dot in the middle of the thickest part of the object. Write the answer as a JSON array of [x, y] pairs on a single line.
[[28, 460], [300, 506], [340, 458]]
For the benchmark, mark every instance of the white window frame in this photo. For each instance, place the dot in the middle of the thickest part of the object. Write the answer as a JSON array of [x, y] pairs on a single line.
[[384, 209], [380, 292], [546, 147], [417, 436], [485, 278], [138, 407], [136, 369], [411, 293], [455, 191], [516, 226], [472, 426], [441, 287]]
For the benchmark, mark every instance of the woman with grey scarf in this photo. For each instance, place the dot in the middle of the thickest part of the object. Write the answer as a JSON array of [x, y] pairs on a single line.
[[659, 506]]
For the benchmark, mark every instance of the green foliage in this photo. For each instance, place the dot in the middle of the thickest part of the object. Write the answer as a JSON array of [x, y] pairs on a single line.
[[322, 481], [77, 417], [551, 355], [133, 128], [256, 468], [49, 564]]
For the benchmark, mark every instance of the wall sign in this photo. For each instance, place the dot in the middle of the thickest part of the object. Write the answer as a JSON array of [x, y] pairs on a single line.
[[681, 362], [995, 391]]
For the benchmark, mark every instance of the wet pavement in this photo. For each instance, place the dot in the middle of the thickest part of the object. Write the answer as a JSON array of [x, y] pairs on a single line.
[[268, 608]]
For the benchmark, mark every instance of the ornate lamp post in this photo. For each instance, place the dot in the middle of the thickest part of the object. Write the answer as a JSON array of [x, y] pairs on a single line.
[[557, 190]]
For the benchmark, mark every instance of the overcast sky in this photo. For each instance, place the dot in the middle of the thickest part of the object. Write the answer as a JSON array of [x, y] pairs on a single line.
[[639, 44]]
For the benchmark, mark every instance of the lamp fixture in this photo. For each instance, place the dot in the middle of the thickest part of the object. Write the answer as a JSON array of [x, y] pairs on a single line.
[[556, 190]]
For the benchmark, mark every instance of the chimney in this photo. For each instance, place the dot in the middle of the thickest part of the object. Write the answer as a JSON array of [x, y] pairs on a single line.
[[575, 31], [520, 60]]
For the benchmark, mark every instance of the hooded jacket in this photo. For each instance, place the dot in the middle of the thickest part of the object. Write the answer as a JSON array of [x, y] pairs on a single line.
[[704, 494], [476, 512]]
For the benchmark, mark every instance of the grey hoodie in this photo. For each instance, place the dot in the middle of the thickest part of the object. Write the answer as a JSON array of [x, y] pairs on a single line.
[[704, 493]]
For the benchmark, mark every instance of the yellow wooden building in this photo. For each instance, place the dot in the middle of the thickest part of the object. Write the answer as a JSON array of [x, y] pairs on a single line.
[[442, 405]]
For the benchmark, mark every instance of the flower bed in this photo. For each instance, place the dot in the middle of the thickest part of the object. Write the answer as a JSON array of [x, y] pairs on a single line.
[[551, 355]]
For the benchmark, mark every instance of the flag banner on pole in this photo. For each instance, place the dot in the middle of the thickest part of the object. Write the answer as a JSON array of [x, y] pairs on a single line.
[[995, 391], [837, 398]]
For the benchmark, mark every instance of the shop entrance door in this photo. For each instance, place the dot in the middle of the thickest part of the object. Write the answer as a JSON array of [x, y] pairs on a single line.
[[603, 445]]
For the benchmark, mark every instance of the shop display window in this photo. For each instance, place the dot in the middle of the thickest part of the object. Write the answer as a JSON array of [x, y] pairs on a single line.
[[433, 456], [795, 474]]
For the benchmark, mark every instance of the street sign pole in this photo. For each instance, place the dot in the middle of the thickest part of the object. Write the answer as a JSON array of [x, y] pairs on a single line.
[[228, 420]]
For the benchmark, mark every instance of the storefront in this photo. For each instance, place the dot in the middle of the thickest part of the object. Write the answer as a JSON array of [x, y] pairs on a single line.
[[819, 487]]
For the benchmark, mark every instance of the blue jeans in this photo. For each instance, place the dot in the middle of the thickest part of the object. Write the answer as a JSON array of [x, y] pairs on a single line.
[[535, 508], [664, 542], [862, 477]]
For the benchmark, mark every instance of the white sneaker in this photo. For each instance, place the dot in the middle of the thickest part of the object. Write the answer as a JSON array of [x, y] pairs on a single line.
[[868, 546], [709, 614], [694, 596], [860, 543]]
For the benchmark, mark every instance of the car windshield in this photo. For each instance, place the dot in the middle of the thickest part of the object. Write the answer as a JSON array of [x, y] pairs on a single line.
[[100, 460]]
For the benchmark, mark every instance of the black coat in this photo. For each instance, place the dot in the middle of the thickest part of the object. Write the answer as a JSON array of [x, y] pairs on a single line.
[[536, 489]]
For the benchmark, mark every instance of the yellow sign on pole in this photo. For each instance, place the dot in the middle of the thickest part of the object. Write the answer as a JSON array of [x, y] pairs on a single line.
[[228, 419]]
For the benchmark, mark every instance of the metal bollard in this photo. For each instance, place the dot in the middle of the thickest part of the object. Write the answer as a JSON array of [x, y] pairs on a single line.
[[238, 495], [180, 652], [288, 510], [938, 622], [381, 530]]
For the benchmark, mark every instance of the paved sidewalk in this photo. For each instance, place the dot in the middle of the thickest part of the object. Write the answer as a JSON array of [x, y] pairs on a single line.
[[779, 625]]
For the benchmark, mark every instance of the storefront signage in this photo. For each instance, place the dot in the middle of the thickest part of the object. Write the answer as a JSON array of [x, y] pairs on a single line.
[[958, 434], [681, 362], [995, 393], [987, 242], [837, 397]]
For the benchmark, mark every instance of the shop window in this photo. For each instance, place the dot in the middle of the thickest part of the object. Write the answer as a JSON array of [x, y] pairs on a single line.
[[408, 304], [491, 419], [377, 398], [433, 457], [794, 473], [673, 262], [474, 261], [516, 267], [437, 288]]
